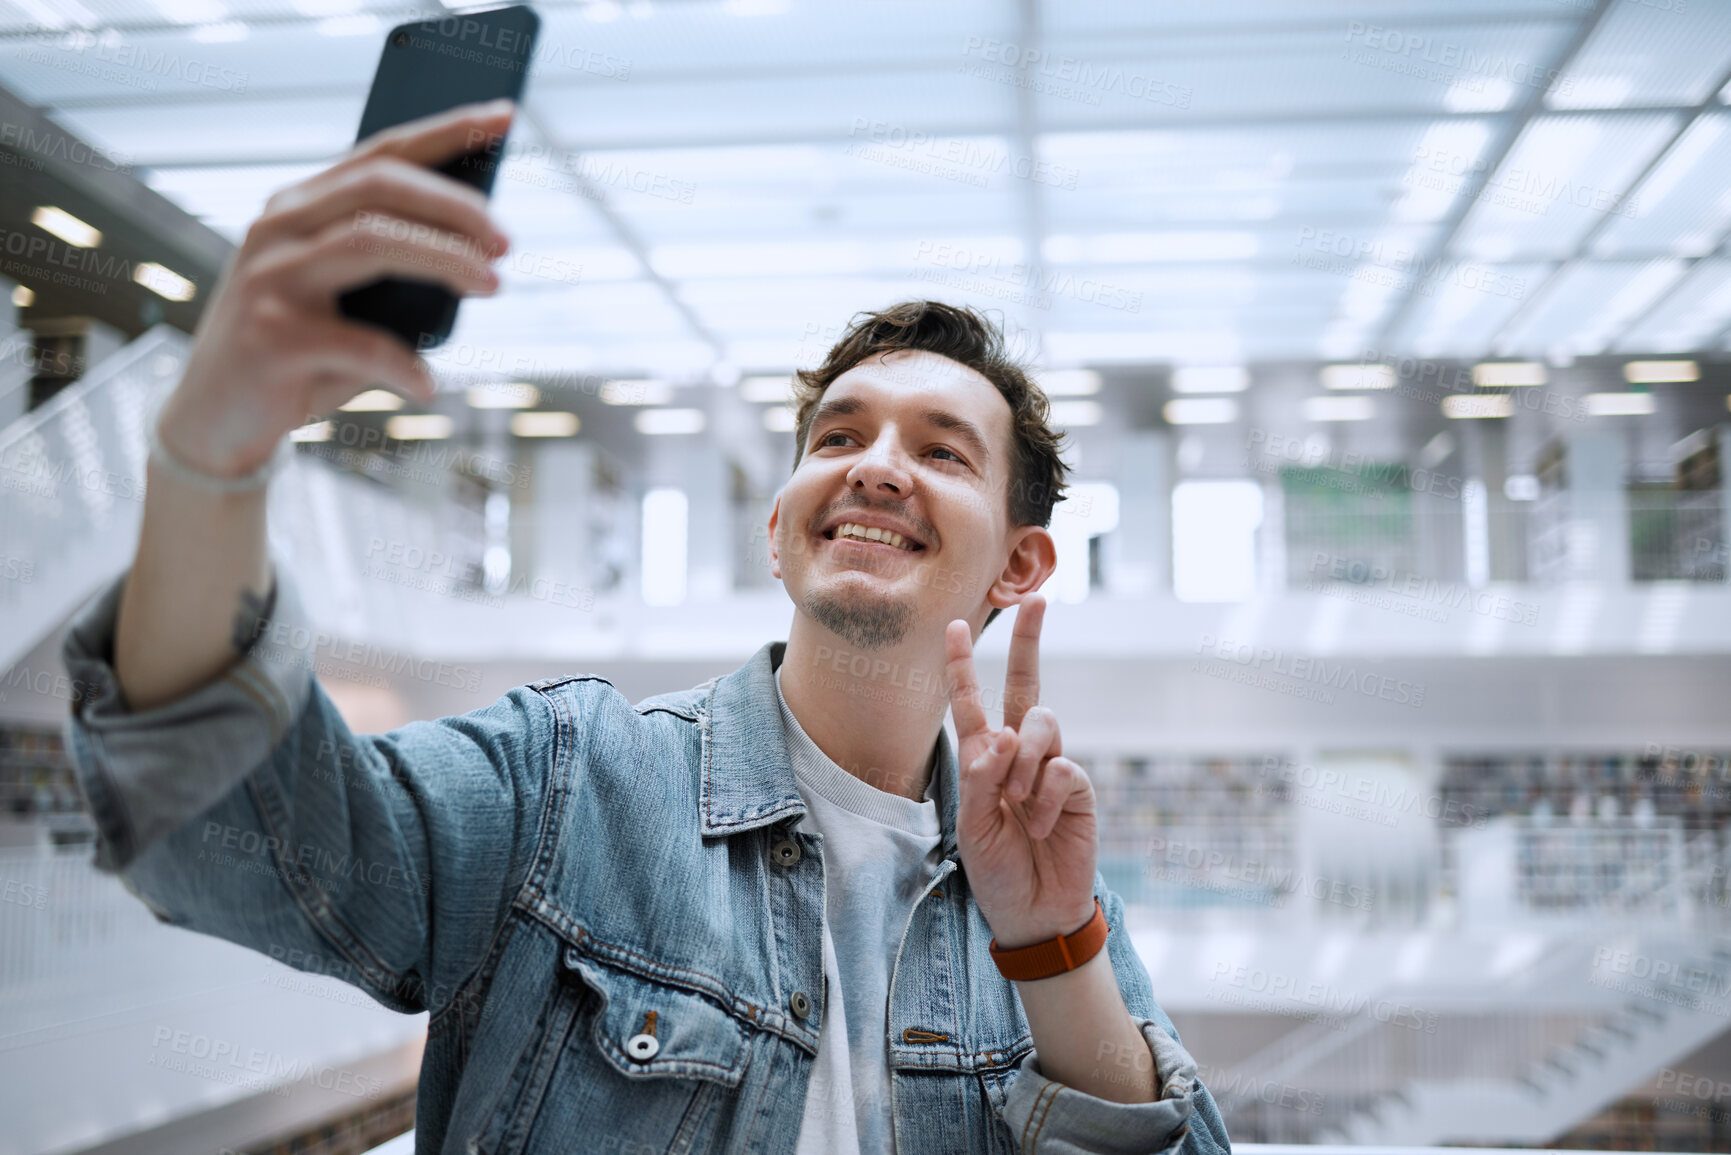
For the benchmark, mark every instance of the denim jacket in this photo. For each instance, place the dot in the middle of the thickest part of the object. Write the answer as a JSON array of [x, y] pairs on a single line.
[[591, 899]]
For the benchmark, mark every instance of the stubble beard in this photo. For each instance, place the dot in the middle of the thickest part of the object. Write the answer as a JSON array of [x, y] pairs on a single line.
[[865, 623]]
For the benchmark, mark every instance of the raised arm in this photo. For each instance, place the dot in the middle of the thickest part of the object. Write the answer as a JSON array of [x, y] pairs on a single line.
[[271, 352]]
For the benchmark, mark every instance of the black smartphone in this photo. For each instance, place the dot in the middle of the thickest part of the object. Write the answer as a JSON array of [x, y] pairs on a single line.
[[429, 67]]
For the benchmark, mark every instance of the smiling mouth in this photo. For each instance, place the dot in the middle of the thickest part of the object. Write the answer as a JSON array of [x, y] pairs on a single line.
[[871, 535]]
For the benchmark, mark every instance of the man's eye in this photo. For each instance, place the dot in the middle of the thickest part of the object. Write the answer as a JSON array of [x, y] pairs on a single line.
[[830, 439], [948, 455]]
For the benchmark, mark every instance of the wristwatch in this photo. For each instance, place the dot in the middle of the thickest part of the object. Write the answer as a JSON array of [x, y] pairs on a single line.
[[1055, 956]]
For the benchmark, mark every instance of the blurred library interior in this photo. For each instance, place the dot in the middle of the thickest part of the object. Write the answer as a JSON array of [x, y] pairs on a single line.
[[1392, 346]]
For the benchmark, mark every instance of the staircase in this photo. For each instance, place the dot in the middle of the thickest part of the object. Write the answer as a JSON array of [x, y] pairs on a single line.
[[1470, 1059], [1571, 1083], [71, 494]]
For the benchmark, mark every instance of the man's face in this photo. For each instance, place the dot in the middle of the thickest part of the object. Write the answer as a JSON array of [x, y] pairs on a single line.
[[913, 449]]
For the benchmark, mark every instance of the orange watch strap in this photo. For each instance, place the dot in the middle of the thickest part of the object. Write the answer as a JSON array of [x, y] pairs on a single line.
[[1055, 956]]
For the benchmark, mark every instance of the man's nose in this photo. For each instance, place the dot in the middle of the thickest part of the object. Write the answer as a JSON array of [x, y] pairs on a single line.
[[882, 469]]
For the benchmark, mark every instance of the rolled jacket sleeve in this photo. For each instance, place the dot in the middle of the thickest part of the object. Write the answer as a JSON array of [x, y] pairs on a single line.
[[1049, 1118], [147, 772], [247, 809]]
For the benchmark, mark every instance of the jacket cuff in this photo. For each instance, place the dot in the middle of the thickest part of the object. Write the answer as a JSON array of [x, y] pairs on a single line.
[[145, 773], [1050, 1118]]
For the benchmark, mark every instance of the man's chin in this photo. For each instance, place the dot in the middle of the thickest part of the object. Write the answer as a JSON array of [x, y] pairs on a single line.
[[865, 618]]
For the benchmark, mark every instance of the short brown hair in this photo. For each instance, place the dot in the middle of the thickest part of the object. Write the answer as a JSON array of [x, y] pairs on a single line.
[[967, 337]]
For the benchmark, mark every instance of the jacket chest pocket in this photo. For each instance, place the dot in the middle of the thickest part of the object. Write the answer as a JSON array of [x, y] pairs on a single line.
[[628, 1064]]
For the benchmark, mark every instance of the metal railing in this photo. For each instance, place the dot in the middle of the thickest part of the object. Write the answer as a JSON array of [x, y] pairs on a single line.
[[60, 916], [72, 486]]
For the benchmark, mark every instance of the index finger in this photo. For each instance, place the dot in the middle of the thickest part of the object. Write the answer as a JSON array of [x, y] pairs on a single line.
[[1022, 677], [435, 139], [964, 683]]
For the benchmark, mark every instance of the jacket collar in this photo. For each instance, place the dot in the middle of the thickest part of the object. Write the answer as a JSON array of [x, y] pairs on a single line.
[[747, 777]]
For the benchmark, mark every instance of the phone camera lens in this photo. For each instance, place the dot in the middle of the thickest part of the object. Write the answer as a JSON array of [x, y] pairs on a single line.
[[401, 40]]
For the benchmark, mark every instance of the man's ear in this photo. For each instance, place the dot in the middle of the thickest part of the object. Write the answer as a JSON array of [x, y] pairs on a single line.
[[1033, 558], [774, 558]]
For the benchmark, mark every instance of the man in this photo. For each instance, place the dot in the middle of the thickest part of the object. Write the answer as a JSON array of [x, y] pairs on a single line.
[[776, 912]]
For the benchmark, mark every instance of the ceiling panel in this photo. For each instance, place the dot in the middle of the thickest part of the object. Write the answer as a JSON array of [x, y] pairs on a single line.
[[1688, 318], [1460, 314], [1243, 178], [1683, 207], [1561, 179], [1643, 54], [1587, 307]]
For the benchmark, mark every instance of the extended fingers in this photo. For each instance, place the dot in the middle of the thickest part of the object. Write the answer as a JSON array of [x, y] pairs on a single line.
[[964, 682], [1040, 740], [1022, 675]]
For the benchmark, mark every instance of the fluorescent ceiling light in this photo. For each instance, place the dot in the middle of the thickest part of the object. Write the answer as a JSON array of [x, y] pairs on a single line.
[[1620, 404], [1075, 413], [1137, 248], [780, 419], [1488, 373], [192, 11], [1654, 372], [1069, 382], [655, 422], [66, 226], [1472, 405], [1200, 411], [504, 395], [1521, 487], [372, 401], [164, 282], [55, 14], [1555, 146], [644, 391], [602, 11], [1357, 376], [418, 427], [767, 258], [359, 24], [777, 389], [1210, 379], [22, 296], [1338, 409], [1480, 94], [226, 32], [317, 431], [1591, 92], [551, 424]]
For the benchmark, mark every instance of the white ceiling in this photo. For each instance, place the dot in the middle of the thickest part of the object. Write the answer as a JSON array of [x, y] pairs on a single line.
[[705, 182]]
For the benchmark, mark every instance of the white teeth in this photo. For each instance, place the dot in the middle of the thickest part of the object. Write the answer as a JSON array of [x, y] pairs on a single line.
[[872, 533]]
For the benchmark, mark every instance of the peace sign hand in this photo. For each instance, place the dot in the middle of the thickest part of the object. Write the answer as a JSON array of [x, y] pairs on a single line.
[[1026, 824]]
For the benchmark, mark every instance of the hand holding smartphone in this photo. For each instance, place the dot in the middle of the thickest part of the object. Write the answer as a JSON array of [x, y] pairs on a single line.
[[430, 67]]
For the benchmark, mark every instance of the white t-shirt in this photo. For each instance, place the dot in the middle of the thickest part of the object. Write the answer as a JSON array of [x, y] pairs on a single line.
[[880, 851]]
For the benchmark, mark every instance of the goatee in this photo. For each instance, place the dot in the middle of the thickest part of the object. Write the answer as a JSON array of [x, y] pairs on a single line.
[[869, 625]]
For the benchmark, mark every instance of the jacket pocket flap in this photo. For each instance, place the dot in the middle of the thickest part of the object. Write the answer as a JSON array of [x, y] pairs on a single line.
[[647, 1028]]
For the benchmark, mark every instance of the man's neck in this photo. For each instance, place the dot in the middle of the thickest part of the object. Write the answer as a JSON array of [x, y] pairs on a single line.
[[874, 713]]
